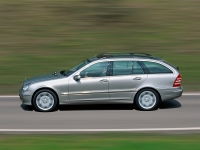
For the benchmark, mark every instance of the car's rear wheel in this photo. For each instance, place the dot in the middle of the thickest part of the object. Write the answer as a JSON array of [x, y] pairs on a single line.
[[45, 100], [147, 99]]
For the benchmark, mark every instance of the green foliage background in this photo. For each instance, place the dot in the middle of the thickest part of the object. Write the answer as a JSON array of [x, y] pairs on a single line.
[[42, 36]]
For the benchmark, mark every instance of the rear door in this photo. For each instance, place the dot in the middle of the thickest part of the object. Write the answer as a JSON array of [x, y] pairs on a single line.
[[125, 77]]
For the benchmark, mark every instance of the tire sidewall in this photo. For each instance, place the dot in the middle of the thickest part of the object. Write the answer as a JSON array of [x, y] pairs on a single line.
[[55, 100], [137, 99]]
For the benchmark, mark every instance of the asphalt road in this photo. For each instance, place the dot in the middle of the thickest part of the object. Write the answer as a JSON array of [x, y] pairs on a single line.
[[178, 113]]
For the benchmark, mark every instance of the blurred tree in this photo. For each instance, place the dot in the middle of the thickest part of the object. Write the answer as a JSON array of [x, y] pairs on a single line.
[[108, 11]]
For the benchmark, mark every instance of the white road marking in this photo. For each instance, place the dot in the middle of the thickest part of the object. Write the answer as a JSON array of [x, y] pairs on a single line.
[[101, 130], [16, 96], [9, 96], [191, 94]]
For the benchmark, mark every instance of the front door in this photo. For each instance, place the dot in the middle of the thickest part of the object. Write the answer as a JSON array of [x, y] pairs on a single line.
[[93, 84]]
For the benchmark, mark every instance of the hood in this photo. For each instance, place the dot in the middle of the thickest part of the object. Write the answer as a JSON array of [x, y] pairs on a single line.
[[46, 77]]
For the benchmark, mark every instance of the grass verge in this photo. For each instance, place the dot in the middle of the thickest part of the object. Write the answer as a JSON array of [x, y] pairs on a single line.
[[114, 141]]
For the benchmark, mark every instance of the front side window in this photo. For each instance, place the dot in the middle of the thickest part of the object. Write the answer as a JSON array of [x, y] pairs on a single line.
[[95, 70], [122, 68], [156, 68]]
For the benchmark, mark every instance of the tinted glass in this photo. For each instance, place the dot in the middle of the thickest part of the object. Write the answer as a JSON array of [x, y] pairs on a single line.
[[74, 69], [96, 70], [122, 68], [137, 68], [156, 68]]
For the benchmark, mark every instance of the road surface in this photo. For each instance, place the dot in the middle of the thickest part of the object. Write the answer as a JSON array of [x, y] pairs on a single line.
[[179, 113]]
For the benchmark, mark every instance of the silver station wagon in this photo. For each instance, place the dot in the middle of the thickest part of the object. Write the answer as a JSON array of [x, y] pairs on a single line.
[[107, 78]]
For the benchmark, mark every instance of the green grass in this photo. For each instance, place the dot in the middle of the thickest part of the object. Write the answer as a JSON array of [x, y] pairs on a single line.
[[37, 37], [114, 141]]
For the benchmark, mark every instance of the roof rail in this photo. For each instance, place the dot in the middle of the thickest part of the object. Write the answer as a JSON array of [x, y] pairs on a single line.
[[140, 54], [106, 55]]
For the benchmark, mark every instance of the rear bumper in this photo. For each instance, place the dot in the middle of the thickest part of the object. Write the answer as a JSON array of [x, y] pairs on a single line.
[[169, 94]]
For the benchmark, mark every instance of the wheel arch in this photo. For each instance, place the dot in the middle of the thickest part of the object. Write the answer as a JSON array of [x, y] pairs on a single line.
[[148, 88], [44, 88]]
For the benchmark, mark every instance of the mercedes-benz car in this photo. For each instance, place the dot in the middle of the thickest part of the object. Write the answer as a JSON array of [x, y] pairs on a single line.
[[106, 78]]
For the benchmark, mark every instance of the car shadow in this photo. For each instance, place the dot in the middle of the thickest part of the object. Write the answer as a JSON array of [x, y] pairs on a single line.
[[27, 107], [169, 104], [96, 107]]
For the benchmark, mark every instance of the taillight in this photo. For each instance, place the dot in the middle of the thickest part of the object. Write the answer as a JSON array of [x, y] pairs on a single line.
[[177, 82]]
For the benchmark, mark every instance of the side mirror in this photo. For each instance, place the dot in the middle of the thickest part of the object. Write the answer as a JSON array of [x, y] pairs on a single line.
[[77, 77]]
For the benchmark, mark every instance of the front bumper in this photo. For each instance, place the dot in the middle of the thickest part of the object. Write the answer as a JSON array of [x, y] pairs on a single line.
[[25, 97]]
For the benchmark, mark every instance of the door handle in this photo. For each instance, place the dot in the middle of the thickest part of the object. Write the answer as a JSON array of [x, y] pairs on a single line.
[[103, 80], [137, 78]]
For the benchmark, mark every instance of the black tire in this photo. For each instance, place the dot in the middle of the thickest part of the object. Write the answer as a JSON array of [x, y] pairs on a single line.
[[151, 98], [46, 96]]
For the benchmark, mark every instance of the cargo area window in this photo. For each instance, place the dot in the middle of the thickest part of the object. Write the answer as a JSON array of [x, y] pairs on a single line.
[[155, 68]]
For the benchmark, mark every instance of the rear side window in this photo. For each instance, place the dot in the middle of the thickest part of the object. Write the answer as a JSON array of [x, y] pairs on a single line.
[[156, 68], [122, 68], [137, 68]]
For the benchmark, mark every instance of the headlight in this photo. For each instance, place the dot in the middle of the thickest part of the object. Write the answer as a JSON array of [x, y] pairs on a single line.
[[25, 87]]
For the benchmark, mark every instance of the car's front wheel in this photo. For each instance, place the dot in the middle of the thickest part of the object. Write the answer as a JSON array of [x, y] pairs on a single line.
[[147, 99], [45, 100]]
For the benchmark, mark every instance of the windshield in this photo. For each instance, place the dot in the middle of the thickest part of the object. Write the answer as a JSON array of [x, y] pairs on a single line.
[[74, 69]]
